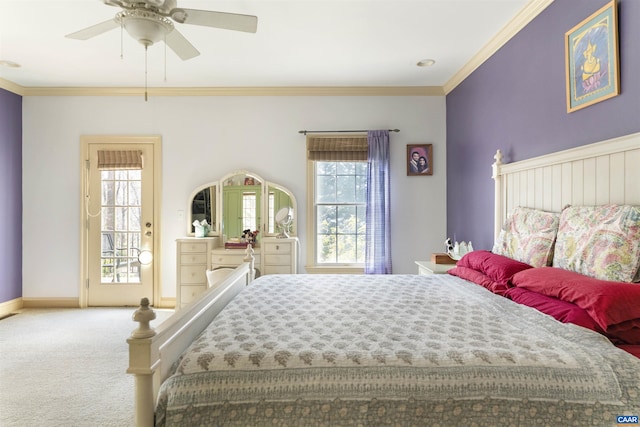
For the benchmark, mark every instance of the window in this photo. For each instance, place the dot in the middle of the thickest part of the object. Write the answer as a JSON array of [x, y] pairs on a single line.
[[337, 186], [249, 211], [340, 202], [121, 228], [271, 212]]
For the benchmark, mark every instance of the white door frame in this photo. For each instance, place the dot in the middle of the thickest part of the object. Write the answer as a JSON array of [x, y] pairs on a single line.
[[85, 141]]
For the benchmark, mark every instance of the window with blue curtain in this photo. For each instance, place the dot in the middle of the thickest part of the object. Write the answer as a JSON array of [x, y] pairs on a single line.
[[349, 224]]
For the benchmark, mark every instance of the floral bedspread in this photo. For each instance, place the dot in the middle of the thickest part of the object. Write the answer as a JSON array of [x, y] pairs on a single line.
[[394, 350]]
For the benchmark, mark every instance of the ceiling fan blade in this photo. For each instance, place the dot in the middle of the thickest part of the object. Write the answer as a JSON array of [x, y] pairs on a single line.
[[117, 3], [180, 45], [94, 30], [208, 18]]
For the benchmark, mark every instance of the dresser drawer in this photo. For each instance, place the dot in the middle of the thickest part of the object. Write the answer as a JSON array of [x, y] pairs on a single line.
[[277, 269], [193, 247], [277, 259], [231, 259], [189, 293], [227, 260], [193, 258], [193, 274], [277, 248]]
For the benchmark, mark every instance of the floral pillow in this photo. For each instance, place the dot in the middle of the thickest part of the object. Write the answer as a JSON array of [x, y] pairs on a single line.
[[600, 241], [528, 236]]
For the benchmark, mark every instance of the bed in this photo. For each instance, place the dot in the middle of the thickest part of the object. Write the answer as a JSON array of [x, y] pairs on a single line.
[[479, 346]]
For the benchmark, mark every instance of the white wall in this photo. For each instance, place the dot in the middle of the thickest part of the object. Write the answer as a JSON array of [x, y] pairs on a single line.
[[203, 139]]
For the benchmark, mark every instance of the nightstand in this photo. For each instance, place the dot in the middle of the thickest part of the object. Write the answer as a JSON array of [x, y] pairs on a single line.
[[428, 267]]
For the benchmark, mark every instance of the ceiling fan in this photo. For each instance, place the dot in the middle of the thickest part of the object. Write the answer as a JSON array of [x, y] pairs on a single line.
[[150, 21]]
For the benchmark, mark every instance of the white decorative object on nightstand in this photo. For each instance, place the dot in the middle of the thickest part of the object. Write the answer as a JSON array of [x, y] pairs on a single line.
[[428, 267]]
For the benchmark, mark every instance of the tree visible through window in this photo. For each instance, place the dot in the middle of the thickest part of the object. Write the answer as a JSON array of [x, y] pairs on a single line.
[[121, 228], [340, 201]]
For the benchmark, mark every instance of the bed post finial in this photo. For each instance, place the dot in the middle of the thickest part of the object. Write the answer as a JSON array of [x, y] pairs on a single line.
[[144, 314], [498, 162], [250, 259], [498, 189]]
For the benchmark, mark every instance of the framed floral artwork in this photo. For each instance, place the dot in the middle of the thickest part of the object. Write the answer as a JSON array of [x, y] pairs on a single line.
[[592, 59]]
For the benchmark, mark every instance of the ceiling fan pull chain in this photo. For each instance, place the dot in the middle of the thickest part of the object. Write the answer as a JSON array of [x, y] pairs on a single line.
[[165, 58], [121, 40], [146, 98]]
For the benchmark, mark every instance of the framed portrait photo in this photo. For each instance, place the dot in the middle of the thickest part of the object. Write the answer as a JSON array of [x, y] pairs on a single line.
[[592, 59], [419, 159]]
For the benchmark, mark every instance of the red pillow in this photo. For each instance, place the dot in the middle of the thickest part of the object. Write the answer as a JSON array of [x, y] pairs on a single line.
[[562, 311], [632, 349], [626, 332], [498, 268], [478, 278], [608, 303]]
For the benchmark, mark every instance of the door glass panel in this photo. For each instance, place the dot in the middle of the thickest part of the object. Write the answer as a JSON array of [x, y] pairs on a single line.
[[121, 226], [249, 211]]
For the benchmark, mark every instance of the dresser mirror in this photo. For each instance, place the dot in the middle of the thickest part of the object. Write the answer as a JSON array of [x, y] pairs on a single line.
[[203, 207], [279, 198], [239, 201], [241, 204]]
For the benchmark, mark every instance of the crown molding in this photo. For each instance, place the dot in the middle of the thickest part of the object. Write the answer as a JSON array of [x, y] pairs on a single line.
[[233, 91], [532, 9], [11, 87]]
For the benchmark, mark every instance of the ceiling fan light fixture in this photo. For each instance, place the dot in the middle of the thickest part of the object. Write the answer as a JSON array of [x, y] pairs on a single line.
[[145, 26]]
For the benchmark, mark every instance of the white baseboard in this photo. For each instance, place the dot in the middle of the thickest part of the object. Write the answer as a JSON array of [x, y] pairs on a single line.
[[8, 307], [20, 303], [50, 303]]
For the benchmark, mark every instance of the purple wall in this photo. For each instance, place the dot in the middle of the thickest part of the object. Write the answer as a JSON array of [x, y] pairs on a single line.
[[10, 196], [516, 101]]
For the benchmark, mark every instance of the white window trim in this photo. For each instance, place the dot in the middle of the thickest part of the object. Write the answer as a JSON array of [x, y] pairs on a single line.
[[313, 267]]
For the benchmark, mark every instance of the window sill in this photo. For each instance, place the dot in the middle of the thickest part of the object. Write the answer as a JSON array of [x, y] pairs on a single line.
[[334, 269]]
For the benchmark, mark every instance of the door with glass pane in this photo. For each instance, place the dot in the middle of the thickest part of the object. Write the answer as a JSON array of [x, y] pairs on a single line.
[[120, 224]]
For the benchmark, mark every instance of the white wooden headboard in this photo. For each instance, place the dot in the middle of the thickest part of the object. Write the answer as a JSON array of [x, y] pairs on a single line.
[[595, 174]]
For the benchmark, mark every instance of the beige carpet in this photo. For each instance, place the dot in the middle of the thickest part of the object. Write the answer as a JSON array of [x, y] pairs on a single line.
[[67, 367]]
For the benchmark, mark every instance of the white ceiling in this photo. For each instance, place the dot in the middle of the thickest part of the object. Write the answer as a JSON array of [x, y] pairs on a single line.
[[298, 43]]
